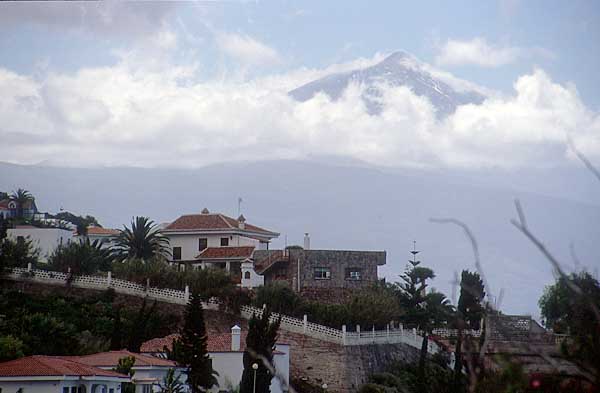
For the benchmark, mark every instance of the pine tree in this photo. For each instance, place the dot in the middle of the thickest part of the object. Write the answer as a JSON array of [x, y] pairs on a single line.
[[116, 339], [469, 313], [260, 344], [192, 348]]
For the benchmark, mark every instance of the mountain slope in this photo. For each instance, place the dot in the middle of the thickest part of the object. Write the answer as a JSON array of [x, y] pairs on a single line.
[[342, 207], [398, 69]]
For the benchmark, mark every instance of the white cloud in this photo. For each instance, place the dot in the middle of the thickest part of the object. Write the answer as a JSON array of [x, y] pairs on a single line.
[[246, 49], [476, 52], [161, 115]]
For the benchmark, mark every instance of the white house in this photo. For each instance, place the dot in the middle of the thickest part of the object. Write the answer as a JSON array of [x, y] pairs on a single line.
[[50, 374], [214, 239], [226, 351], [149, 370], [46, 240]]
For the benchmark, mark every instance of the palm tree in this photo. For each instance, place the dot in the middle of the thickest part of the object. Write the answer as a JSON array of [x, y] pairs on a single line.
[[21, 197], [171, 383], [143, 241]]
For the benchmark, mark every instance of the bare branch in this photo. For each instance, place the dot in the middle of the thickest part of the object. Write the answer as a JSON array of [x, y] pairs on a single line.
[[583, 158], [572, 286]]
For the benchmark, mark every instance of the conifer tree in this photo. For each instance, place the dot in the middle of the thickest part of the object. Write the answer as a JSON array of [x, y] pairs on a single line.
[[469, 313], [192, 348], [260, 344]]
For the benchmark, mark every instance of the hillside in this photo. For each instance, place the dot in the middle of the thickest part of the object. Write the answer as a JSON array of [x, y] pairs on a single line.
[[347, 208]]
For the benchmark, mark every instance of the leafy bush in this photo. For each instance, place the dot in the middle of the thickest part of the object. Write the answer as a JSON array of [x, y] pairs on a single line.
[[373, 306], [10, 348], [76, 326], [207, 283], [83, 257], [17, 253]]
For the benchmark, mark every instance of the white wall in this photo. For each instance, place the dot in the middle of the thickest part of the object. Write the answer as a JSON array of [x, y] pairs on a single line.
[[230, 366], [156, 373], [45, 239], [189, 243], [255, 279]]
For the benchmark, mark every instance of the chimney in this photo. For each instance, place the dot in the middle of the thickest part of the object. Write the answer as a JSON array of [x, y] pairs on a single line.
[[236, 332], [205, 211], [306, 241], [241, 222]]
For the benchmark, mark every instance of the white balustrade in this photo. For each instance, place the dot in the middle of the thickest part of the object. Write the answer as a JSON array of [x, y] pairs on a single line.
[[295, 325]]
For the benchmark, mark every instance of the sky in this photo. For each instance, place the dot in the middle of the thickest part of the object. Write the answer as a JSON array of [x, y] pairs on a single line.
[[187, 84]]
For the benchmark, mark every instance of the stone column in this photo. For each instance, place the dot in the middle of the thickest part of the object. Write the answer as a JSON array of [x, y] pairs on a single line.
[[305, 323], [344, 334], [109, 279], [187, 293]]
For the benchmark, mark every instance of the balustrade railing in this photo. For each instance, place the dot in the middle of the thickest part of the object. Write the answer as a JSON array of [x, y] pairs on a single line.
[[291, 324]]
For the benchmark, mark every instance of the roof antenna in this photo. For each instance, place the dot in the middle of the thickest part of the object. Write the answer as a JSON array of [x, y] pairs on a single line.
[[239, 206]]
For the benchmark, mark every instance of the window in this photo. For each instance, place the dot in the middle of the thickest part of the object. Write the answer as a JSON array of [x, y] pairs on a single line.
[[353, 274], [111, 390], [176, 253], [73, 389], [202, 243], [224, 241], [247, 275], [20, 239], [146, 388], [322, 273], [66, 390]]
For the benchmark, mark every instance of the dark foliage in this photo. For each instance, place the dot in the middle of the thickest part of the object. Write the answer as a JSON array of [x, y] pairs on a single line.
[[142, 241], [17, 253], [568, 311], [80, 222], [191, 349], [82, 257], [368, 307], [76, 326], [260, 344]]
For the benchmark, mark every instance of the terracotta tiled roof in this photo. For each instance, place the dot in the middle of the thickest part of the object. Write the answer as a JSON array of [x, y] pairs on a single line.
[[111, 359], [226, 252], [4, 204], [102, 231], [190, 222], [51, 366], [216, 343]]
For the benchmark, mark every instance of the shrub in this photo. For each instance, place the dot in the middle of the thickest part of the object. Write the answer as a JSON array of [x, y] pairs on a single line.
[[83, 257]]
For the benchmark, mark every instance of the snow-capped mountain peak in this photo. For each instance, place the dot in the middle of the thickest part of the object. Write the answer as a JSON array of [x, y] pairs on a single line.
[[397, 69]]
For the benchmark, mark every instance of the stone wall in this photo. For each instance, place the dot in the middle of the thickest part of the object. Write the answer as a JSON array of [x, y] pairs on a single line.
[[342, 368], [339, 262]]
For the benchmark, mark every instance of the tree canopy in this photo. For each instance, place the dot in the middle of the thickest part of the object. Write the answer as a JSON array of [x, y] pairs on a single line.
[[260, 344], [143, 240]]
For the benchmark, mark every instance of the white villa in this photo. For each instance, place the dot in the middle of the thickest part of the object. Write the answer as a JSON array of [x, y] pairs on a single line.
[[226, 350], [149, 370], [50, 374], [214, 239], [46, 240]]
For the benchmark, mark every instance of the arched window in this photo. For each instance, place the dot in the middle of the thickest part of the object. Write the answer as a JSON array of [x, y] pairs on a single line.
[[247, 275]]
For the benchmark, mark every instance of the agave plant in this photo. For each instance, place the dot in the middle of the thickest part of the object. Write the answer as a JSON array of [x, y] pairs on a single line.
[[142, 241]]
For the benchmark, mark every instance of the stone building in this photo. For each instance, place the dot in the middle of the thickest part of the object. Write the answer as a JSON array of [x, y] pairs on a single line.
[[307, 270]]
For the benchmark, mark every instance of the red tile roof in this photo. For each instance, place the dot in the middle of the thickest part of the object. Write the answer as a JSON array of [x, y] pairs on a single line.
[[111, 359], [226, 252], [52, 366], [102, 231], [217, 221], [216, 343]]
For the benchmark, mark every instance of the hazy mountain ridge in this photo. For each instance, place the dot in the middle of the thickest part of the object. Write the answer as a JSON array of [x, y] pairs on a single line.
[[342, 207], [398, 69]]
